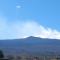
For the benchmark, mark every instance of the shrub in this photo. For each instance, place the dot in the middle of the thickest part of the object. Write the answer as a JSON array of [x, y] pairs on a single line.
[[1, 54]]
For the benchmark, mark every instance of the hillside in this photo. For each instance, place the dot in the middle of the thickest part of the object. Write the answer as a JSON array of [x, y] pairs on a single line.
[[31, 45]]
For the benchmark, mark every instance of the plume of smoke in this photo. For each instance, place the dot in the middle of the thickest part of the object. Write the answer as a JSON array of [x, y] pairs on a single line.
[[20, 29]]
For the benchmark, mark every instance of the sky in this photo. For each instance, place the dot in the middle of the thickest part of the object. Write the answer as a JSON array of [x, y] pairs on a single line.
[[23, 18]]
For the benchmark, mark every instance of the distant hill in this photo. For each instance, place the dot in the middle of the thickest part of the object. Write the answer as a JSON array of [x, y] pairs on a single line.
[[31, 45]]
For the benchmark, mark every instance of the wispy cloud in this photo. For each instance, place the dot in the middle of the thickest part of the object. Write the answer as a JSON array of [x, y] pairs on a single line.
[[20, 29], [18, 6]]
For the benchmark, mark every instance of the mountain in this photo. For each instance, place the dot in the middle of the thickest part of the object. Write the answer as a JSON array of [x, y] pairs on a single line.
[[31, 45]]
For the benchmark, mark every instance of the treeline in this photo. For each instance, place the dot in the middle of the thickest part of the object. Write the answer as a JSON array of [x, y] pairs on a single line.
[[27, 57]]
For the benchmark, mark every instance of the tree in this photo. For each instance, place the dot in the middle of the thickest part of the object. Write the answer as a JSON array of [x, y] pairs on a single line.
[[1, 54]]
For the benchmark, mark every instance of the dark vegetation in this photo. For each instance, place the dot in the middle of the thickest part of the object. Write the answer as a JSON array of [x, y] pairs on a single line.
[[28, 57], [1, 54]]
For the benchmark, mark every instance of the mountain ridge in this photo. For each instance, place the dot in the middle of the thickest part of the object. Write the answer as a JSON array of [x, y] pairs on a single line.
[[31, 45], [31, 37]]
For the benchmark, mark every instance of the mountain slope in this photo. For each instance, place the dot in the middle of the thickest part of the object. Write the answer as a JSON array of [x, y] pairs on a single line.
[[31, 45]]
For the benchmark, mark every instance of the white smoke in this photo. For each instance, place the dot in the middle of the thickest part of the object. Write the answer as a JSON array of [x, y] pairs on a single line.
[[20, 29]]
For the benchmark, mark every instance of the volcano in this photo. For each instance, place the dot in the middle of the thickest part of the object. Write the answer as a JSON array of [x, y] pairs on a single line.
[[31, 45]]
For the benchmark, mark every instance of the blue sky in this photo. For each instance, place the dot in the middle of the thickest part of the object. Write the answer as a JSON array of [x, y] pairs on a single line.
[[41, 12]]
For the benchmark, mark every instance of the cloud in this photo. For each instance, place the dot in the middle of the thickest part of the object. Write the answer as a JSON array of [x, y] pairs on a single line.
[[18, 6], [20, 29]]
